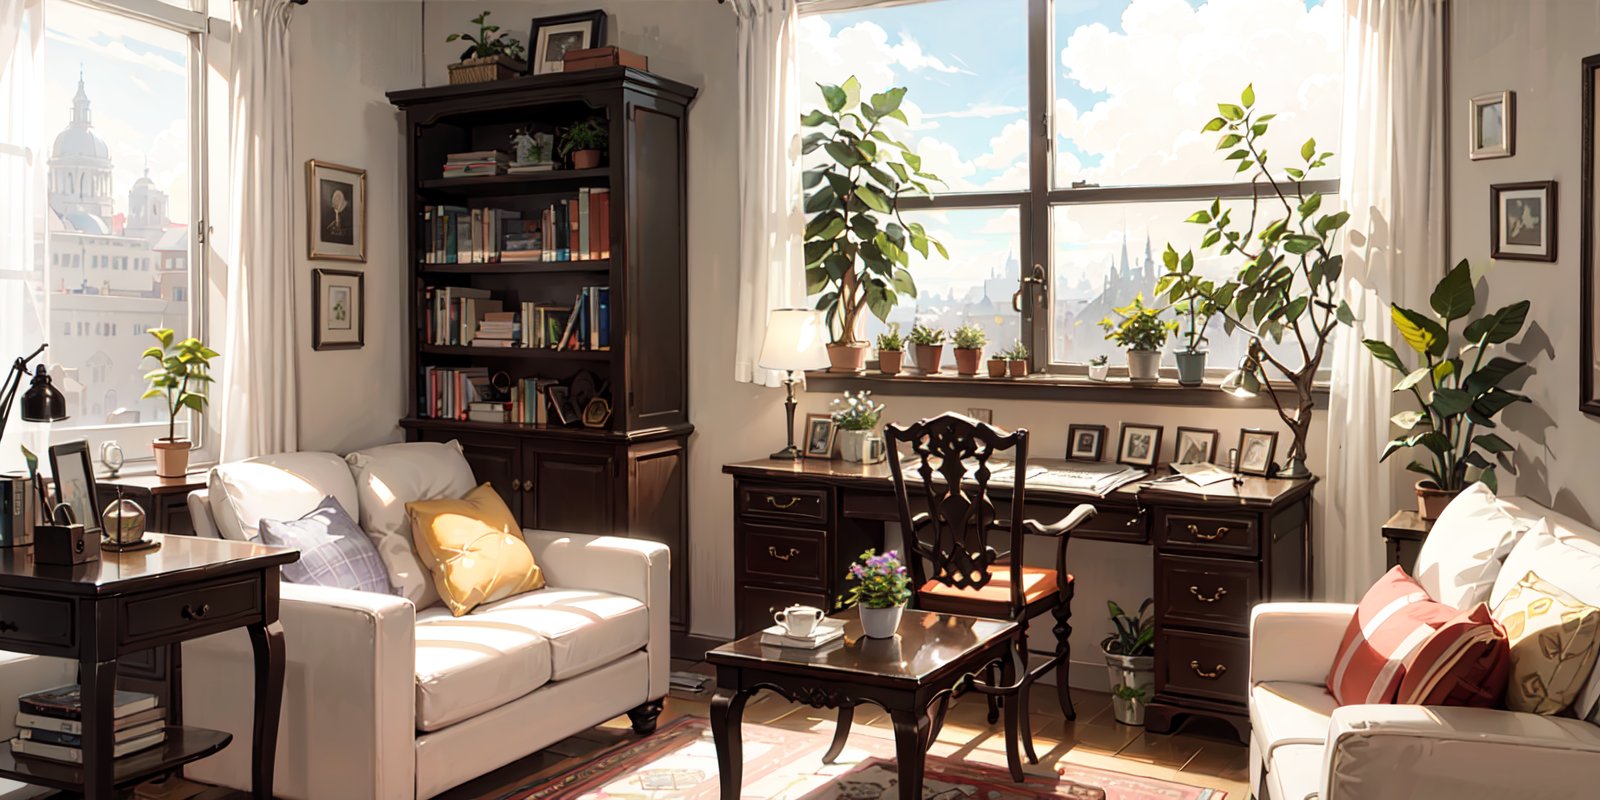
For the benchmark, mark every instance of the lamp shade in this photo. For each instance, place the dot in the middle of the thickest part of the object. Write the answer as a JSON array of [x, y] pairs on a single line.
[[795, 340], [43, 402]]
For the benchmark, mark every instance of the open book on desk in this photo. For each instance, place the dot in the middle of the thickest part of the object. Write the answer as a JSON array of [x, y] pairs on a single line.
[[1088, 477]]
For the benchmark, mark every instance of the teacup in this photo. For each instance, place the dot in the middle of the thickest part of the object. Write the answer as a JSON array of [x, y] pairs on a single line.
[[799, 620]]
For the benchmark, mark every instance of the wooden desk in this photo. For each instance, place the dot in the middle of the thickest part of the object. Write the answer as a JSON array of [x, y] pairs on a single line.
[[1403, 536], [1219, 550]]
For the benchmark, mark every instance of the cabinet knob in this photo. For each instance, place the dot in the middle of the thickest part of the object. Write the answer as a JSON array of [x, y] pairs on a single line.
[[1217, 672], [191, 613], [527, 485], [516, 484]]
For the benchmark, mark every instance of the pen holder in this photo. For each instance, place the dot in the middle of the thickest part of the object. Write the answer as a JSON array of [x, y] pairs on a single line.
[[65, 544]]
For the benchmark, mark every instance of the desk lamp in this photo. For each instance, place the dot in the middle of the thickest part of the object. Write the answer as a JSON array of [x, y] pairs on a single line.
[[794, 343], [42, 402]]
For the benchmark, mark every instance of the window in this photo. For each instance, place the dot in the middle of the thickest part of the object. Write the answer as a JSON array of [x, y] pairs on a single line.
[[1068, 137]]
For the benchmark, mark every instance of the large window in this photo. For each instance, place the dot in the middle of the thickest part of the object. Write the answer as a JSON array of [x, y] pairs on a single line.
[[1067, 133]]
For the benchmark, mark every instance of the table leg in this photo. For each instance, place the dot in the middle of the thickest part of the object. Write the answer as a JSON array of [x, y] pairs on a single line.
[[98, 682], [911, 730], [841, 734], [727, 708], [1008, 675], [267, 643]]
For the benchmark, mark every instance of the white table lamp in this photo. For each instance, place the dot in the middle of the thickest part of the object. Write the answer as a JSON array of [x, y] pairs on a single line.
[[796, 339]]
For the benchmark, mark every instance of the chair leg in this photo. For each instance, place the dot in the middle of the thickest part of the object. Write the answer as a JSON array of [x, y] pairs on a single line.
[[994, 699], [1024, 709], [1063, 632]]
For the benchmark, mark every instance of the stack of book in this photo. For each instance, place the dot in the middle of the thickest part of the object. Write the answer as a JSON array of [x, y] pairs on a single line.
[[461, 235], [452, 313], [50, 724], [448, 393], [578, 229], [475, 163], [827, 631], [498, 329]]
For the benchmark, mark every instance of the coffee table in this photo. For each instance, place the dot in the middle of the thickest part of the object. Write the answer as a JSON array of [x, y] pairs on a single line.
[[931, 659]]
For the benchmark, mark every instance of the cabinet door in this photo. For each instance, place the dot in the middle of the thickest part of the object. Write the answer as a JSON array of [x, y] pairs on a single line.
[[495, 461], [573, 492]]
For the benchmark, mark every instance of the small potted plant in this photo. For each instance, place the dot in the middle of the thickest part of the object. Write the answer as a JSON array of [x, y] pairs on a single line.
[[1099, 368], [997, 364], [491, 56], [584, 142], [929, 348], [969, 341], [856, 417], [182, 372], [1017, 360], [891, 350], [1141, 332], [1131, 660], [1196, 308], [880, 593]]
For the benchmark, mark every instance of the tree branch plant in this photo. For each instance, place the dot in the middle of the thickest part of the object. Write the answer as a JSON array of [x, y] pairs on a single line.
[[181, 377], [1141, 332], [1285, 287], [1457, 394], [857, 245]]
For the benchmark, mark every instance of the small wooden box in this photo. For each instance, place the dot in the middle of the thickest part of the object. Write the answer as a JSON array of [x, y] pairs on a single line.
[[65, 544], [598, 57]]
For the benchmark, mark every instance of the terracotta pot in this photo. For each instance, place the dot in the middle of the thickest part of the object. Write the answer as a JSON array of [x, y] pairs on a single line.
[[997, 366], [585, 159], [889, 361], [172, 457], [928, 358], [850, 357], [1019, 369], [1431, 500], [968, 359]]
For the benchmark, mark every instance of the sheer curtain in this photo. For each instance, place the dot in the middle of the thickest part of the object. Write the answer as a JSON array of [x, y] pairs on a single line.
[[771, 221], [259, 410], [22, 255], [1393, 186]]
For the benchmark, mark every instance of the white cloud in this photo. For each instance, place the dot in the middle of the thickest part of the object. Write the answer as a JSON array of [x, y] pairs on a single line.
[[1006, 148], [862, 50], [980, 110]]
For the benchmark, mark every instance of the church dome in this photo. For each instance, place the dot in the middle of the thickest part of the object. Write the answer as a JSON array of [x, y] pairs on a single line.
[[79, 142]]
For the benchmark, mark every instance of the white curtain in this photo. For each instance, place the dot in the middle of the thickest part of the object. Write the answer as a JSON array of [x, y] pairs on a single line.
[[1393, 186], [23, 310], [771, 221], [259, 410]]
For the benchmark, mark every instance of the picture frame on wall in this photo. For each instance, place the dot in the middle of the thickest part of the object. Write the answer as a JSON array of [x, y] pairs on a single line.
[[1086, 442], [551, 38], [819, 433], [1492, 126], [1588, 347], [1139, 445], [338, 309], [1195, 446], [336, 212], [1522, 221], [1256, 451]]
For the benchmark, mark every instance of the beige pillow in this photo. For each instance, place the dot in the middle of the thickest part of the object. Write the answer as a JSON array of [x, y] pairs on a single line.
[[474, 549], [1554, 640]]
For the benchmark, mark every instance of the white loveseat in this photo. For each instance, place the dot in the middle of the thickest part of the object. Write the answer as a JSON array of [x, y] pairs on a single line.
[[385, 701], [1304, 745]]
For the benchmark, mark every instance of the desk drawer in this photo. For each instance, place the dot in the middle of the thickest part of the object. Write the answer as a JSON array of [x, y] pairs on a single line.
[[1208, 533], [779, 502], [190, 612], [1210, 593], [757, 605], [1209, 665], [27, 619], [782, 554]]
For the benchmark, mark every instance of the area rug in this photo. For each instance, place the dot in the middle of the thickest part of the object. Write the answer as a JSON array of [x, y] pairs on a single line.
[[680, 763]]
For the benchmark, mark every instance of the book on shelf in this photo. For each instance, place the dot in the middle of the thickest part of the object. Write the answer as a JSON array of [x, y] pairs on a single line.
[[40, 722], [475, 163], [74, 755], [460, 235], [577, 229], [47, 736], [589, 326], [524, 169], [447, 392], [66, 702]]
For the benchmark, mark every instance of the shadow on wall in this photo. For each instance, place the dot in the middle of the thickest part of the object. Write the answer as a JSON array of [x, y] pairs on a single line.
[[1534, 424]]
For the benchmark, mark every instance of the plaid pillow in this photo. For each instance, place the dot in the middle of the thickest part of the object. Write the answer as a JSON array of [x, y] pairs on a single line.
[[333, 550]]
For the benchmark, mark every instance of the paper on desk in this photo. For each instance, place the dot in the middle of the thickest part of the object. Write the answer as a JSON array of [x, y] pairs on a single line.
[[1202, 474]]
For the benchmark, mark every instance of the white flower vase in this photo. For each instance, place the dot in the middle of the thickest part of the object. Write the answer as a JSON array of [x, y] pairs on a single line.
[[880, 623], [862, 447]]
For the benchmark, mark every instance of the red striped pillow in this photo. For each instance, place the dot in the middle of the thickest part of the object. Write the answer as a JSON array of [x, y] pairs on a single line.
[[1466, 662], [1394, 619]]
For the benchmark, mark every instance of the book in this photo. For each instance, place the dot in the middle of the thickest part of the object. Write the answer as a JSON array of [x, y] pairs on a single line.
[[42, 723], [477, 155], [76, 739], [66, 702], [74, 755], [828, 630]]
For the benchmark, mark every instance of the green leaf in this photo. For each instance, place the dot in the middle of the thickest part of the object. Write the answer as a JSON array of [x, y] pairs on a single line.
[[1248, 96], [1228, 141], [1216, 124], [1411, 379], [1230, 111], [1492, 443], [843, 154], [873, 200], [821, 200], [1344, 314], [1499, 327], [1450, 402], [1310, 205], [816, 117], [1200, 217], [833, 96], [1423, 334], [1494, 401], [827, 226], [1490, 375], [1490, 479], [1300, 244], [1308, 150], [1453, 298], [1407, 420], [149, 393]]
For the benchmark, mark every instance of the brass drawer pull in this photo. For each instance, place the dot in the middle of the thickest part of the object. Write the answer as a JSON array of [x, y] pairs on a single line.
[[7, 626], [1221, 531], [773, 551], [1215, 596], [773, 501], [191, 613], [1220, 670]]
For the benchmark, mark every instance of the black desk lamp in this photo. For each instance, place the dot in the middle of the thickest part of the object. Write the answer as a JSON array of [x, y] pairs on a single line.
[[42, 402], [794, 343]]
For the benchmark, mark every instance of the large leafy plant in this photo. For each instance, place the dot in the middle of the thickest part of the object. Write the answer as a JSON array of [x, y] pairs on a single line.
[[1140, 327], [183, 369], [1458, 393], [857, 247]]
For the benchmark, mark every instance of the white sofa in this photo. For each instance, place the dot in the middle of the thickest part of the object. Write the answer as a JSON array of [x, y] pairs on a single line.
[[385, 701], [1304, 745]]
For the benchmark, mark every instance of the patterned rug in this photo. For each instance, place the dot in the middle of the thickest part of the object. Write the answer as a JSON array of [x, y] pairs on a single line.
[[680, 763]]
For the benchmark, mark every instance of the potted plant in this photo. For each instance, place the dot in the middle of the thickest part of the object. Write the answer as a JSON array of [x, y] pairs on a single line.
[[928, 347], [1099, 367], [1197, 310], [969, 341], [1457, 387], [997, 364], [891, 350], [858, 248], [856, 417], [880, 593], [1131, 660], [1141, 332], [584, 142], [1017, 360], [183, 370], [493, 54]]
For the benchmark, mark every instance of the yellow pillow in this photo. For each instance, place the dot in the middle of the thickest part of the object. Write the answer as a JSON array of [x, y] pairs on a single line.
[[1554, 639], [474, 548]]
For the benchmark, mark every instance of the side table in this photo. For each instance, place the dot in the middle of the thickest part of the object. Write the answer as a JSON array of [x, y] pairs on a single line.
[[1403, 535]]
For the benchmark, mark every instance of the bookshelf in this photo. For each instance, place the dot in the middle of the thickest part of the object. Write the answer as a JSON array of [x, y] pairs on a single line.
[[628, 477]]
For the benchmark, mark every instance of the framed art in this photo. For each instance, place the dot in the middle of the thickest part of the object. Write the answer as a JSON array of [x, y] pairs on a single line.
[[1522, 221], [549, 39], [1256, 449], [73, 477], [1086, 442], [562, 409], [1492, 126], [1139, 445], [1588, 369], [1195, 446], [819, 436], [336, 212], [338, 310]]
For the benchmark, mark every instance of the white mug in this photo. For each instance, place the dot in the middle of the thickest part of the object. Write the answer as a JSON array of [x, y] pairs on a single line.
[[799, 620]]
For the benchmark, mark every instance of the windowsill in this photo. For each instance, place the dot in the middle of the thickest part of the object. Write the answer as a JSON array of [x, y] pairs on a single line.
[[1048, 386]]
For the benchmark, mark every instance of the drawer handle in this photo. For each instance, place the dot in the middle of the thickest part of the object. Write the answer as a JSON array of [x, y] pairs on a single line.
[[191, 613], [7, 626], [1215, 596], [773, 501], [1221, 531], [773, 551], [1214, 674]]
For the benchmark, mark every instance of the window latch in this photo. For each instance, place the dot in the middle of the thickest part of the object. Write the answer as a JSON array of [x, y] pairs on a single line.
[[1037, 278], [1085, 185]]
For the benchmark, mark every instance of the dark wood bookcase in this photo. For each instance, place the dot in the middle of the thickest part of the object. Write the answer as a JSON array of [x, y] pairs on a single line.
[[629, 478]]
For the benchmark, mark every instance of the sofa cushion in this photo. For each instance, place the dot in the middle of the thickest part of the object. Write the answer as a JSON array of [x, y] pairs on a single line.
[[1554, 640], [472, 664], [1466, 662], [1475, 534], [1393, 619], [474, 548], [586, 628], [1295, 772], [389, 476], [333, 550], [1287, 713], [1566, 556], [282, 486]]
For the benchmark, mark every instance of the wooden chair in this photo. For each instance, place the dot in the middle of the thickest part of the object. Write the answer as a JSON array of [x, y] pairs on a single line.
[[954, 566]]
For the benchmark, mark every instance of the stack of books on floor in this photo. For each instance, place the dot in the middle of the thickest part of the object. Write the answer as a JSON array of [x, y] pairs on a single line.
[[475, 163], [50, 724]]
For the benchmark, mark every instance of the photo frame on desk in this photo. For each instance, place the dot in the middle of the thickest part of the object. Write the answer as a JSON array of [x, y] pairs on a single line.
[[1195, 446], [819, 433], [73, 476], [1139, 445], [1256, 451], [1086, 442]]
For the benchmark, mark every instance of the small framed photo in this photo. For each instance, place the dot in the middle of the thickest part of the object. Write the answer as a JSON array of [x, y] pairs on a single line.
[[338, 310], [336, 212], [1195, 446], [74, 482], [1256, 449], [1086, 442], [1522, 221], [551, 37], [1140, 445], [819, 436], [1493, 126], [562, 409]]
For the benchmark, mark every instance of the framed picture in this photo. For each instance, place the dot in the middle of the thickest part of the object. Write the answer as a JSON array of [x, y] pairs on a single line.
[[596, 413], [73, 476], [336, 212], [1492, 127], [1256, 449], [562, 409], [1589, 341], [1522, 221], [1086, 442], [338, 309], [1195, 446], [819, 436], [1140, 445], [551, 37]]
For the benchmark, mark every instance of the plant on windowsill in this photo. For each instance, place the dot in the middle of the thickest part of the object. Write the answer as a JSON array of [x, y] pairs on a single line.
[[492, 55], [1099, 368], [1130, 660], [857, 417], [584, 142], [1141, 332], [1195, 311], [1017, 360], [1453, 400], [857, 246], [928, 347], [880, 593], [182, 373], [891, 350], [969, 341]]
